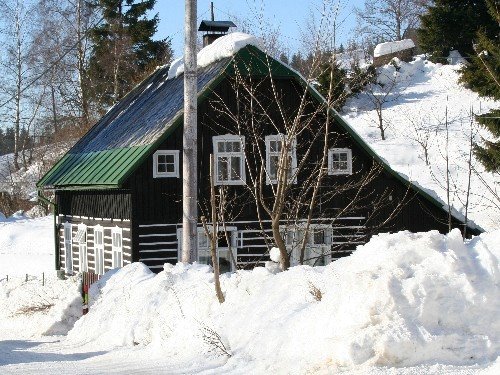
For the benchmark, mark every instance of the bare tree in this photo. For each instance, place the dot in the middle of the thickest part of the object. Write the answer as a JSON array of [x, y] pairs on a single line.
[[389, 20], [17, 63]]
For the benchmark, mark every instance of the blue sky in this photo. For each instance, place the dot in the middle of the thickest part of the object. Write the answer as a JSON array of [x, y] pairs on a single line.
[[289, 15]]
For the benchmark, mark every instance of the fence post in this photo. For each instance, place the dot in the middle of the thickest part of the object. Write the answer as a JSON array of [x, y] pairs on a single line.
[[43, 278], [26, 277]]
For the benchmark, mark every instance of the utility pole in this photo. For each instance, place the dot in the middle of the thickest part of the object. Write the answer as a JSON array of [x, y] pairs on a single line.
[[190, 139]]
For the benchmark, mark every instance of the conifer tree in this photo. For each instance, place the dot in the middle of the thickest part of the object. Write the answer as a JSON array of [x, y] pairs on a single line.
[[332, 72], [482, 74], [452, 25], [124, 51]]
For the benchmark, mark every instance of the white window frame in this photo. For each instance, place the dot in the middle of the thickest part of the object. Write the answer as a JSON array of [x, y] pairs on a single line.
[[68, 248], [293, 243], [347, 171], [292, 153], [241, 154], [99, 249], [175, 173], [117, 248], [83, 263], [204, 244]]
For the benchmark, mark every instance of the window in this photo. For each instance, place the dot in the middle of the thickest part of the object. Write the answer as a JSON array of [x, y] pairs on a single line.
[[225, 252], [274, 145], [99, 249], [81, 240], [166, 163], [68, 256], [339, 161], [229, 159], [116, 246], [318, 244]]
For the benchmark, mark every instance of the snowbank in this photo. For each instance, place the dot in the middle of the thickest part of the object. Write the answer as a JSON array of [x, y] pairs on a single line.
[[30, 308], [401, 300], [391, 47], [222, 47]]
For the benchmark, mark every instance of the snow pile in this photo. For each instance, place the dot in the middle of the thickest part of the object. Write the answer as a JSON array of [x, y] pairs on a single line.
[[402, 299], [392, 47], [26, 245], [31, 308], [417, 98], [225, 46]]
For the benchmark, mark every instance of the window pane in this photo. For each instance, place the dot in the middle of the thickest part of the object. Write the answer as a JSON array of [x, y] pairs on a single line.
[[235, 168], [343, 165], [335, 156], [169, 159], [162, 168], [273, 167], [319, 237], [170, 168], [222, 168], [161, 158], [221, 146], [343, 156], [202, 240], [236, 146]]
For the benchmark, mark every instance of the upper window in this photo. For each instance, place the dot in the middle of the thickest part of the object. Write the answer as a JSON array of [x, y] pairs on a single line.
[[229, 158], [339, 161], [166, 163], [274, 144]]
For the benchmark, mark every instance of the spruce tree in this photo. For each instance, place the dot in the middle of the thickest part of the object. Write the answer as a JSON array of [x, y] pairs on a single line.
[[124, 51], [482, 74], [332, 81], [489, 153], [452, 25]]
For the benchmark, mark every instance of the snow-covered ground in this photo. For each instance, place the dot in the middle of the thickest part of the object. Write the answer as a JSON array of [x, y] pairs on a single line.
[[26, 246], [415, 112], [404, 303]]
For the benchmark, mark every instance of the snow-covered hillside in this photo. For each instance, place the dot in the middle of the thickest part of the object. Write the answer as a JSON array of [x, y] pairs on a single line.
[[415, 112]]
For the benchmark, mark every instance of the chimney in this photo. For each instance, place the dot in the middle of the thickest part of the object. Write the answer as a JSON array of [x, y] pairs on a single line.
[[214, 29]]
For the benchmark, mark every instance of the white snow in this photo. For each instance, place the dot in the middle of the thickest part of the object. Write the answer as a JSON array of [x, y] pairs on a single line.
[[415, 112], [403, 303], [391, 47], [222, 47], [26, 246]]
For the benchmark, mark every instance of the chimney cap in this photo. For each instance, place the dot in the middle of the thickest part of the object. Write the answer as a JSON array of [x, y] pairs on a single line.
[[215, 26]]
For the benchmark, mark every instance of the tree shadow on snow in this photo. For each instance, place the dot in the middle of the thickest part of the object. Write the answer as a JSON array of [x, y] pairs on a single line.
[[19, 351]]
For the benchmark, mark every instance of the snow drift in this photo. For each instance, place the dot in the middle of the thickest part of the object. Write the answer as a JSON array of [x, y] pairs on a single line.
[[402, 299]]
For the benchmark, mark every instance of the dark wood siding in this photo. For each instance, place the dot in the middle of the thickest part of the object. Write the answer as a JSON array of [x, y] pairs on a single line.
[[112, 204]]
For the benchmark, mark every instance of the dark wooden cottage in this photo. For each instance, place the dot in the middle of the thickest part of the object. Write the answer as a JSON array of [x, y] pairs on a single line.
[[118, 190]]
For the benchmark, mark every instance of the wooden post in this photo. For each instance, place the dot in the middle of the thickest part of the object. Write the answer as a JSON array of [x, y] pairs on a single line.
[[189, 140]]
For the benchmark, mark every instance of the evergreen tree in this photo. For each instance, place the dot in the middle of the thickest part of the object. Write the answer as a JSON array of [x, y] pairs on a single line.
[[489, 153], [332, 81], [452, 25], [482, 75], [124, 51]]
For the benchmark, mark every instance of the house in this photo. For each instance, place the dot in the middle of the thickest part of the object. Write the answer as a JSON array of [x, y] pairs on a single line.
[[385, 52], [118, 190]]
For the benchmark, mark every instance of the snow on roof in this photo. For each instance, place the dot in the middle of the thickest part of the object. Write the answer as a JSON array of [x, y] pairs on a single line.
[[391, 47], [222, 47]]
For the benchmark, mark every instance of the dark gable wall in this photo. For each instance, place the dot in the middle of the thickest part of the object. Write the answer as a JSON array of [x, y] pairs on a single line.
[[159, 200]]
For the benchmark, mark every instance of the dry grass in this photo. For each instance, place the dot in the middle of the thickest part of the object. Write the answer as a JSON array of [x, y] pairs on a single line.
[[315, 292]]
